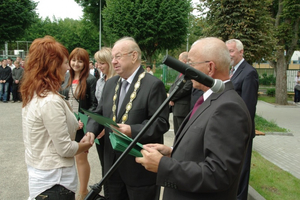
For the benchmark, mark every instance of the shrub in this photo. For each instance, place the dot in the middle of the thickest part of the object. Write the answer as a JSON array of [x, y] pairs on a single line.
[[267, 80], [271, 92], [167, 88]]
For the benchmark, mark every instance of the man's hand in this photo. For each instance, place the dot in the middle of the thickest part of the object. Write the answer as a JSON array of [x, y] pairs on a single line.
[[150, 160], [171, 103], [163, 149], [124, 128]]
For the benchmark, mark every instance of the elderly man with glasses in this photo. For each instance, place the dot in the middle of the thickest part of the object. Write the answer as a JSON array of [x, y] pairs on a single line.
[[130, 99], [206, 159]]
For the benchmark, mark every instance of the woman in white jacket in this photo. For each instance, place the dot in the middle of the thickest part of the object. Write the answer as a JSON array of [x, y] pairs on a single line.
[[49, 125]]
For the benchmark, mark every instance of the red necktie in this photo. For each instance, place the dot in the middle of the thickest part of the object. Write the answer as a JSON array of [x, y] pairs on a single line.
[[197, 104]]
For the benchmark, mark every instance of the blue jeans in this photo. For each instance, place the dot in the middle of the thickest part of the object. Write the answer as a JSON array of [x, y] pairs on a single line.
[[4, 91], [57, 192]]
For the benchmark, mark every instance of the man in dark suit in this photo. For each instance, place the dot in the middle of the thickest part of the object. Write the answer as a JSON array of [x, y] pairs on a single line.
[[245, 81], [208, 152], [144, 94], [180, 102]]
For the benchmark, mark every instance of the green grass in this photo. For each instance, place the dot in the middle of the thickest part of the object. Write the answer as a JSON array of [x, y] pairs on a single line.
[[270, 99], [272, 182], [266, 98], [266, 178], [263, 125]]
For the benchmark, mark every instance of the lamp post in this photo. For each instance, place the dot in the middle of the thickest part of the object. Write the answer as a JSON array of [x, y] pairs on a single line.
[[100, 26]]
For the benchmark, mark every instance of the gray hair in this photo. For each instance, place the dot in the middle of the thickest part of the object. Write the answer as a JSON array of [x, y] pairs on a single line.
[[238, 43], [133, 47]]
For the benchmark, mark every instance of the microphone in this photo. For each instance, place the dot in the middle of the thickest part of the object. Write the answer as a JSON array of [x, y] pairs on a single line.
[[215, 85]]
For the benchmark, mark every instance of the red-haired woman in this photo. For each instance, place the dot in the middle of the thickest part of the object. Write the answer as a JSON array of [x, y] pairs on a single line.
[[79, 88], [49, 125]]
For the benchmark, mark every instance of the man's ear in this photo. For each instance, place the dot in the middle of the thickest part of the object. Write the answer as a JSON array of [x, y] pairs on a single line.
[[134, 56], [212, 69]]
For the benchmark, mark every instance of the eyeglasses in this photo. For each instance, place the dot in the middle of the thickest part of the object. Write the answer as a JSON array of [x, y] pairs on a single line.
[[192, 64], [120, 55]]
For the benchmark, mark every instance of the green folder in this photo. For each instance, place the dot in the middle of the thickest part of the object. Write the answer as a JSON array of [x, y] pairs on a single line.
[[118, 140], [99, 118], [84, 119]]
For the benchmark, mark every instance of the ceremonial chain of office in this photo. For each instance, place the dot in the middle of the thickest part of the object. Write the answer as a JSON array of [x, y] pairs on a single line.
[[132, 97]]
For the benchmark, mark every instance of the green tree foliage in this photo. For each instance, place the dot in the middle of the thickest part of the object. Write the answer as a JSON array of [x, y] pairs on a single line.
[[91, 9], [71, 33], [248, 21], [15, 17], [155, 24], [287, 18]]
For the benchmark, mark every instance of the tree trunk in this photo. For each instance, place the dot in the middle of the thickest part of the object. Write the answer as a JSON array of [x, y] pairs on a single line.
[[281, 79]]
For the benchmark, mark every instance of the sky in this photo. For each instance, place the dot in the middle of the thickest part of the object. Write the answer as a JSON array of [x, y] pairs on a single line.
[[59, 8]]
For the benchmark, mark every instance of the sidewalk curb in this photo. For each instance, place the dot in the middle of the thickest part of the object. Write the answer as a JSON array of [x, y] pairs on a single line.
[[253, 195]]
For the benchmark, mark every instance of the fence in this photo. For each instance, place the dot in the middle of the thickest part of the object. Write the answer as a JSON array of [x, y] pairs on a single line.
[[168, 75]]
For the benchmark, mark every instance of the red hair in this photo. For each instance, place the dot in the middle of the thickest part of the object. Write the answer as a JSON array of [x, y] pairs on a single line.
[[42, 71], [80, 54]]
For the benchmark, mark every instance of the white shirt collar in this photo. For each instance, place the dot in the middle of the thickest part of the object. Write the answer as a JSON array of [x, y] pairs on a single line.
[[130, 79], [209, 92], [237, 65]]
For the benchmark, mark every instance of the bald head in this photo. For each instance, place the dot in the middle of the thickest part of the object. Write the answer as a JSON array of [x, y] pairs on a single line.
[[211, 57], [212, 49]]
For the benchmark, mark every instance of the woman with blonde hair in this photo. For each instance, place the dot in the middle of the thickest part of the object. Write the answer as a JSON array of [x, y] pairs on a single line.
[[103, 58], [49, 125], [79, 89]]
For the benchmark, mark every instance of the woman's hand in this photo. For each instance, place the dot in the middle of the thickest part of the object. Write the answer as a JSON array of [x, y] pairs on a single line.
[[80, 125], [101, 134]]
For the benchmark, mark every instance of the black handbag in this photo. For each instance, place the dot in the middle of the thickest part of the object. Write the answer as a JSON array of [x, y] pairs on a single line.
[[297, 87]]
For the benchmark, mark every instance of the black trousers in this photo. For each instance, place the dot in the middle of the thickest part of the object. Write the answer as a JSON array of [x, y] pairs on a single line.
[[57, 192], [118, 190], [245, 174], [15, 92]]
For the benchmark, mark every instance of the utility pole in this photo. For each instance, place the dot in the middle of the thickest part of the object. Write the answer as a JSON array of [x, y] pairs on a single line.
[[100, 26]]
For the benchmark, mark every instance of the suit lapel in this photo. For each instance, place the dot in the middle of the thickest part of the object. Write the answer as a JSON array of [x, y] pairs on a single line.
[[187, 123], [239, 70]]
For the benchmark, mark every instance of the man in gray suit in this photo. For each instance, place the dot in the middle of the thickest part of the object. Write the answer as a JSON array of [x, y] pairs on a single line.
[[144, 94], [208, 152], [180, 102]]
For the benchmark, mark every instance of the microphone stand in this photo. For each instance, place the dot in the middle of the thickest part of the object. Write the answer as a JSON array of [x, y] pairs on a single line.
[[96, 189]]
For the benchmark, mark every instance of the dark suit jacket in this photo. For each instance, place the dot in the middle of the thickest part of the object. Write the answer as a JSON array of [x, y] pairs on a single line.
[[182, 98], [245, 82], [150, 96], [208, 151]]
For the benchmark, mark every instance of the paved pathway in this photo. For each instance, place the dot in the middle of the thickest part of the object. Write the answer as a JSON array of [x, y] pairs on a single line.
[[284, 151]]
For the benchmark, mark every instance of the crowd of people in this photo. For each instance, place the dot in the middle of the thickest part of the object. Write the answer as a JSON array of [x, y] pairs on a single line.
[[211, 154], [11, 74]]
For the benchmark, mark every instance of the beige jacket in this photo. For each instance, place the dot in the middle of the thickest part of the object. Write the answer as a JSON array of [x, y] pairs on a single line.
[[49, 128]]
